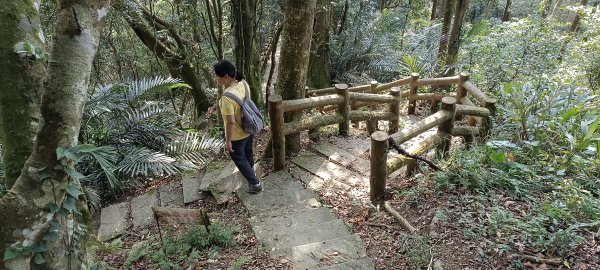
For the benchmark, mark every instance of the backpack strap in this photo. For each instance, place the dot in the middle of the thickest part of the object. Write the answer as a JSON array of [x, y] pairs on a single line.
[[235, 98]]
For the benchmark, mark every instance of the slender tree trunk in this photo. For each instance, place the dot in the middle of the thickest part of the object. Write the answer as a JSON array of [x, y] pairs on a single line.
[[318, 69], [506, 13], [434, 5], [555, 8], [572, 32], [24, 215], [577, 19], [454, 39], [344, 18], [174, 56], [22, 74], [246, 51], [293, 64], [443, 44]]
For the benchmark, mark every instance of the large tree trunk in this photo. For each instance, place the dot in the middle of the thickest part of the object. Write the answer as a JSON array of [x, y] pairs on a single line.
[[319, 74], [293, 64], [172, 54], [24, 210], [454, 39], [22, 76], [506, 13], [443, 45], [246, 51]]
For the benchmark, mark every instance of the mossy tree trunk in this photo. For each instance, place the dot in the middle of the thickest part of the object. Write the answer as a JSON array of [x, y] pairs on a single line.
[[454, 39], [246, 51], [24, 212], [293, 63], [22, 51], [446, 21]]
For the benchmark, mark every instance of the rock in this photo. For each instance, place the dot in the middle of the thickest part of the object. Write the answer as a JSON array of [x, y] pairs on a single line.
[[112, 221]]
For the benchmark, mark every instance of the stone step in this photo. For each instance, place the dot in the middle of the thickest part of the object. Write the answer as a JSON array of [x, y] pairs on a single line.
[[190, 184], [328, 171], [141, 209], [317, 183], [169, 195], [279, 238], [342, 156], [327, 253], [274, 201], [212, 173], [113, 221], [358, 146], [358, 264]]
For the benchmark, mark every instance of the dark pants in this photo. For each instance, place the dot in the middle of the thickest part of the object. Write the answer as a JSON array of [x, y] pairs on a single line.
[[243, 158]]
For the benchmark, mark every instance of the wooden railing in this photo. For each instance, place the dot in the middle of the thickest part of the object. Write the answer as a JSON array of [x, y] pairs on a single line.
[[347, 100]]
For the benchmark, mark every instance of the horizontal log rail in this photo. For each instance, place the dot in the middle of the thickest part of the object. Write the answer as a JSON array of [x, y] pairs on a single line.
[[430, 96], [311, 102], [372, 98], [471, 110], [465, 131], [437, 81], [475, 92], [418, 149], [388, 86], [365, 115], [420, 127], [311, 122]]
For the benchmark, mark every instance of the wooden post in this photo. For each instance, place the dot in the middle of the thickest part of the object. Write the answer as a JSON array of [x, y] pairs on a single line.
[[445, 128], [412, 103], [378, 178], [461, 92], [395, 109], [277, 137], [344, 127], [410, 168], [490, 104], [372, 124], [434, 106]]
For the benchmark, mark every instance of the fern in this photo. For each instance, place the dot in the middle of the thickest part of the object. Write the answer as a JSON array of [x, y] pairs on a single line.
[[146, 162], [191, 147], [136, 89]]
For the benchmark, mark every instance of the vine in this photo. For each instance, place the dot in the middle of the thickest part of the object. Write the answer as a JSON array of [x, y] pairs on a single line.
[[64, 208]]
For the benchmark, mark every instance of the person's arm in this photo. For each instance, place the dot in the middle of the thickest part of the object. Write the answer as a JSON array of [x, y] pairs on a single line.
[[229, 123]]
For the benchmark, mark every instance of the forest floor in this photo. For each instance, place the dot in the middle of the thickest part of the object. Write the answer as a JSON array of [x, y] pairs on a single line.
[[449, 233]]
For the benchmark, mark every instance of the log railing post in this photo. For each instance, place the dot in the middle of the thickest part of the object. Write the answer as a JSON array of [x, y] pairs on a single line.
[[344, 127], [490, 104], [277, 135], [395, 109], [411, 167], [445, 128], [461, 92], [372, 124], [412, 103], [378, 178]]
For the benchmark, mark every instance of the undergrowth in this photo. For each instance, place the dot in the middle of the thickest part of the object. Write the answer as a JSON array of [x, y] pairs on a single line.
[[185, 249]]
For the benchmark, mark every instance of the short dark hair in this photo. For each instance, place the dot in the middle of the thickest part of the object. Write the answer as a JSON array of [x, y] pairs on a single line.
[[225, 67]]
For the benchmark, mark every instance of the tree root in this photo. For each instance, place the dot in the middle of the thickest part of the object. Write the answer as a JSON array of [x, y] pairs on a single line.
[[403, 222]]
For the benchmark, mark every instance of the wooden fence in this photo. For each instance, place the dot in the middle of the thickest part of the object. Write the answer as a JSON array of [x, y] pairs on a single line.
[[347, 101]]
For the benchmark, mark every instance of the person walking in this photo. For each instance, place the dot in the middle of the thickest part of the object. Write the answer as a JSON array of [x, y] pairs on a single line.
[[238, 143]]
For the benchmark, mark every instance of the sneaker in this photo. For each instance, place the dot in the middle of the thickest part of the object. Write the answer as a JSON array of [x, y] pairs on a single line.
[[254, 188]]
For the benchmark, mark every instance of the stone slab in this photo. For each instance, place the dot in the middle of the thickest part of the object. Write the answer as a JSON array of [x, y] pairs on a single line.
[[191, 187], [279, 238], [329, 171], [141, 209], [223, 188], [358, 146], [169, 195], [327, 253], [212, 173], [113, 221], [360, 264], [335, 153], [316, 183], [288, 200]]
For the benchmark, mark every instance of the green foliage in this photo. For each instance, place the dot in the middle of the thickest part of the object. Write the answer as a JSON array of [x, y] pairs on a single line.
[[2, 183], [416, 248], [241, 261], [184, 248], [137, 137]]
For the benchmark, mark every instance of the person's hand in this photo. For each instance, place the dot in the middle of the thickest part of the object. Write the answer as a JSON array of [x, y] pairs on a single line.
[[228, 147]]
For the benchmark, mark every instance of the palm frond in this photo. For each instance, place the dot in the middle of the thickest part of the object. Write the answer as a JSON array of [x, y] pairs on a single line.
[[93, 198], [193, 147], [145, 162], [137, 88], [103, 100]]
